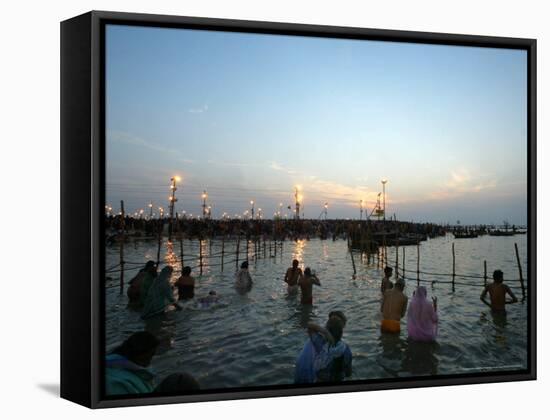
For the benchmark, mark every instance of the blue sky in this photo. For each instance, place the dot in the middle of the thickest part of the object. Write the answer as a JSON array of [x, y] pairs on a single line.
[[249, 116]]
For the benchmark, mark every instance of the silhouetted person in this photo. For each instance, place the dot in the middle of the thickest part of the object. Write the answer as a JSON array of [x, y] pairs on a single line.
[[185, 284], [292, 276], [386, 282], [306, 285], [497, 292]]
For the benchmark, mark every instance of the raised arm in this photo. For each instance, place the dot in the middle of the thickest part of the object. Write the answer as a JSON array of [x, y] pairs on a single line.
[[315, 280]]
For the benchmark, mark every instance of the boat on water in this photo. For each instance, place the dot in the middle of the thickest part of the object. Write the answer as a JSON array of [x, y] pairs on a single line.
[[501, 233], [464, 235]]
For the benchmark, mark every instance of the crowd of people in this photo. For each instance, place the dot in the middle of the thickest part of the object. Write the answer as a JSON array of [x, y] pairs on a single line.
[[325, 356]]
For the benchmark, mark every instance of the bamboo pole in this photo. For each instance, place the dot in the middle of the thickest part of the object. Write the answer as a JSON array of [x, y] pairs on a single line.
[[454, 266], [403, 268], [200, 256], [122, 226], [520, 271], [418, 263], [352, 261], [264, 247], [159, 242], [237, 252], [396, 256], [223, 250], [485, 272], [247, 248], [181, 240]]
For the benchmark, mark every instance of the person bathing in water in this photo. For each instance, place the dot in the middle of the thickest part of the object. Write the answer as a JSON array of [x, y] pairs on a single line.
[[243, 280], [292, 277], [186, 284], [497, 292], [306, 283], [139, 285], [394, 306], [325, 357], [422, 316], [386, 282]]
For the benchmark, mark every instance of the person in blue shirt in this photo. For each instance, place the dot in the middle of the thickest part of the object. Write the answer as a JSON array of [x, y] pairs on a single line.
[[127, 367], [325, 356]]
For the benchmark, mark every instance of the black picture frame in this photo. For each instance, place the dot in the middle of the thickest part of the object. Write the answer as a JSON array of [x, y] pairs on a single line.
[[83, 200]]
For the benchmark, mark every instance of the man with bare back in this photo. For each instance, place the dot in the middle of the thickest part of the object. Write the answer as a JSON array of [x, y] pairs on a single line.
[[497, 292]]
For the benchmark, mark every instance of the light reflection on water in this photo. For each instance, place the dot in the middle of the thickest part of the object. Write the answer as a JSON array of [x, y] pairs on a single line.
[[254, 339]]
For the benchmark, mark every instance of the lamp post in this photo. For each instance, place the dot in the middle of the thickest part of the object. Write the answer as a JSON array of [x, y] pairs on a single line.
[[326, 210], [172, 200], [360, 209], [297, 202], [204, 197], [384, 196], [252, 209]]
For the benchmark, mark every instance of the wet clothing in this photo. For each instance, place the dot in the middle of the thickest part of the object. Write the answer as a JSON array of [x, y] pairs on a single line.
[[159, 296], [146, 283], [320, 361], [134, 291], [421, 317], [243, 280], [390, 326], [124, 377]]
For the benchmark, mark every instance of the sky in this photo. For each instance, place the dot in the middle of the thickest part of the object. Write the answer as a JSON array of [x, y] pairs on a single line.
[[249, 117]]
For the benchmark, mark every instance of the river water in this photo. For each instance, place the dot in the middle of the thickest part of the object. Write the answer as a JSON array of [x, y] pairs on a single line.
[[253, 340]]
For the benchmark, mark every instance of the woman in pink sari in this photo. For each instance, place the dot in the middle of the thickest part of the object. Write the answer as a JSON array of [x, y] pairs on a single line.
[[422, 316]]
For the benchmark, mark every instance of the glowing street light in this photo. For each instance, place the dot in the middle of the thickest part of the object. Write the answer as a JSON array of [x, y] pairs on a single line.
[[252, 209]]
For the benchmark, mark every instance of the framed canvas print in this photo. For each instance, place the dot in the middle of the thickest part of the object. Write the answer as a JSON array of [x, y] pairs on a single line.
[[254, 209]]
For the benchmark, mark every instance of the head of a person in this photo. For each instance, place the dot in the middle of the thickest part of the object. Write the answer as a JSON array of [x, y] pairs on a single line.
[[167, 271], [150, 267], [400, 284], [307, 271], [139, 348], [212, 293], [421, 292], [177, 383], [244, 265], [335, 327], [498, 276], [388, 271], [186, 271], [338, 314], [295, 263]]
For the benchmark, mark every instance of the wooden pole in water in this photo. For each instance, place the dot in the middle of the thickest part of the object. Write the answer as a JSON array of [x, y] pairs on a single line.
[[396, 257], [418, 263], [237, 252], [520, 271], [403, 268], [454, 265], [223, 249], [200, 256], [159, 241], [264, 247], [181, 240], [352, 261], [485, 272], [247, 248], [122, 227]]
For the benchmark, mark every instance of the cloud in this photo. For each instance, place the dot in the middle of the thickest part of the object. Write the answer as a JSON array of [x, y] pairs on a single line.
[[462, 182], [127, 138], [199, 110]]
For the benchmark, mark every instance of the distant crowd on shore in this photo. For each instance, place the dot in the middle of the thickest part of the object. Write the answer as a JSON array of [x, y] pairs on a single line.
[[325, 356], [279, 229]]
